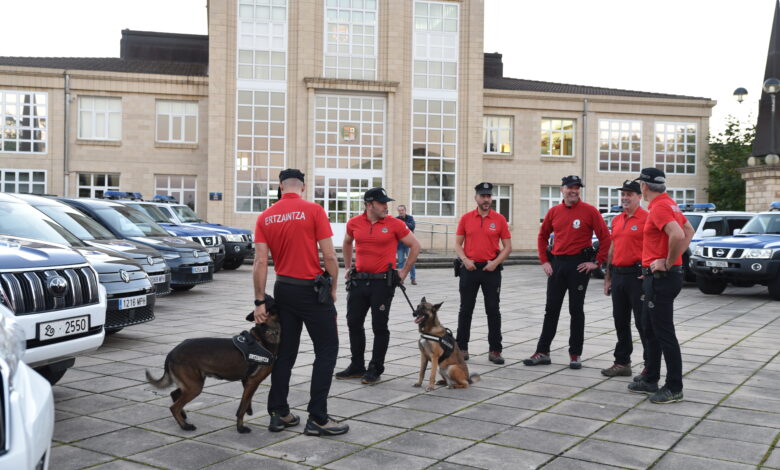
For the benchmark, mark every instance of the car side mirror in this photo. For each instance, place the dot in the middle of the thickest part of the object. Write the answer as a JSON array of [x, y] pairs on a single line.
[[736, 231], [709, 232]]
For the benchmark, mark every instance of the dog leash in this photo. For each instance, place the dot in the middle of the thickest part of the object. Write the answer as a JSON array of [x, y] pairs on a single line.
[[403, 289]]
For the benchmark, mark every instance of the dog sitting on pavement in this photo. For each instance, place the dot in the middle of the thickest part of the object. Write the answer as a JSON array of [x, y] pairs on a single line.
[[438, 346], [247, 357]]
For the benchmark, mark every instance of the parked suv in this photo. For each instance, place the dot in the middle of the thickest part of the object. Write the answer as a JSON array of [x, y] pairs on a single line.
[[56, 299], [130, 295], [749, 257]]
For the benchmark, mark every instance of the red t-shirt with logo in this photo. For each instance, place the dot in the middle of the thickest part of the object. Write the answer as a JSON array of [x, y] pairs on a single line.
[[663, 210], [291, 228], [627, 236], [573, 227], [376, 244], [482, 234]]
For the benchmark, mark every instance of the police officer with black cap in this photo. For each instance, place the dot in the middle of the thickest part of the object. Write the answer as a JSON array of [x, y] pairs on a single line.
[[476, 244], [371, 285], [291, 230]]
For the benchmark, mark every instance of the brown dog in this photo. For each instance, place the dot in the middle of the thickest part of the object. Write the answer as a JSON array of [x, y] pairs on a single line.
[[189, 363], [439, 347]]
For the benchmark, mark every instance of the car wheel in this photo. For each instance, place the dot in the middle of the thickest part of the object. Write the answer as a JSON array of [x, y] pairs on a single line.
[[233, 263], [51, 374], [111, 331], [774, 288], [182, 288], [710, 286]]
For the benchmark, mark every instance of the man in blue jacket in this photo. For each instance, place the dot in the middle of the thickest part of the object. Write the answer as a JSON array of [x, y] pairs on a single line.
[[403, 250]]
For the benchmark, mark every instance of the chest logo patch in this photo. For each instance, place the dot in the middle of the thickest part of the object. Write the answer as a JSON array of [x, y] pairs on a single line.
[[576, 223], [492, 226], [634, 228], [384, 230]]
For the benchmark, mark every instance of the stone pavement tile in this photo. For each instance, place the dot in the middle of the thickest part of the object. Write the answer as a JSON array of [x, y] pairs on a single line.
[[564, 463], [253, 461], [612, 453], [140, 392], [495, 413], [203, 424], [734, 415], [637, 435], [121, 465], [257, 438], [739, 432], [535, 440], [684, 408], [62, 393], [774, 459], [614, 384], [469, 395], [707, 386], [400, 417], [310, 450], [348, 408], [432, 403], [365, 434], [625, 398], [658, 420], [185, 455], [82, 427], [675, 461], [561, 423], [376, 458], [85, 361], [723, 449], [699, 396], [496, 383], [77, 375], [118, 355], [202, 401], [581, 381], [425, 444], [752, 403], [63, 415], [377, 395], [137, 413], [111, 368], [718, 377], [450, 466], [125, 442], [523, 374], [528, 402], [588, 410], [547, 390], [756, 392], [65, 457], [464, 428], [92, 404], [498, 457]]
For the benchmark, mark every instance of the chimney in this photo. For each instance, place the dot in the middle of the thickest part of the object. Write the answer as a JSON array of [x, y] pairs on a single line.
[[494, 66]]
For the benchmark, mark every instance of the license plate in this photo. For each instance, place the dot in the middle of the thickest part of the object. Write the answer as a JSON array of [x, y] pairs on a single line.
[[132, 302], [158, 279], [717, 264], [65, 327], [212, 249], [200, 269]]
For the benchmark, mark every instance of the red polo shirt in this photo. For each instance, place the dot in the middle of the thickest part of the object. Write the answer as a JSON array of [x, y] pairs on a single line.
[[376, 244], [573, 227], [663, 210], [291, 228], [482, 234], [627, 237]]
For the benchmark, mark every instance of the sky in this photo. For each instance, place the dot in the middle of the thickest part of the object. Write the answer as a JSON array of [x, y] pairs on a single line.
[[703, 48]]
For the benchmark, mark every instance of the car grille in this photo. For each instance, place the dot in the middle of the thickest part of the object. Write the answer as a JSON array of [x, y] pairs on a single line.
[[722, 253], [29, 292], [207, 241], [123, 318]]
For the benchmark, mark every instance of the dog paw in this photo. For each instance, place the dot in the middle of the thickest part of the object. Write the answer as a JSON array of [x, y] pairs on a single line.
[[429, 388], [243, 429], [417, 385], [188, 427]]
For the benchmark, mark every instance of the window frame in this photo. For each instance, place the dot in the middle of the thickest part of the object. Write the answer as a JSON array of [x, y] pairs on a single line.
[[94, 187], [171, 117], [562, 133], [335, 71], [93, 113], [671, 193], [497, 198], [17, 128], [16, 182], [552, 200], [612, 191], [486, 132], [611, 152], [664, 166], [251, 30], [168, 189]]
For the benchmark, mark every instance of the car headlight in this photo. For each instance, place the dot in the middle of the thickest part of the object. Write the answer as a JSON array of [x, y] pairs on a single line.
[[171, 256], [12, 342], [698, 251], [763, 253], [234, 238]]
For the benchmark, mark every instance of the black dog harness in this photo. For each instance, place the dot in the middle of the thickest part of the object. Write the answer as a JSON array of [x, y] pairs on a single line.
[[254, 353], [447, 343]]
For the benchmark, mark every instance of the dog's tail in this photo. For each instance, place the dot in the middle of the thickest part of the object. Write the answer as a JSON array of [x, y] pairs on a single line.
[[474, 378], [165, 381]]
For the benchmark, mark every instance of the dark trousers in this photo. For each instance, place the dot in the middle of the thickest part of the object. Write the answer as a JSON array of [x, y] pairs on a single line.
[[298, 306], [658, 318], [565, 278], [376, 295], [627, 296], [470, 283]]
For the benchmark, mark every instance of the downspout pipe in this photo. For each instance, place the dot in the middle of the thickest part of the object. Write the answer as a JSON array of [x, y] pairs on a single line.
[[584, 139], [66, 134]]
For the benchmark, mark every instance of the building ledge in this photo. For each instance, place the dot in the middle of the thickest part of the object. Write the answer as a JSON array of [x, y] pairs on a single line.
[[322, 83], [566, 159], [174, 145], [98, 142]]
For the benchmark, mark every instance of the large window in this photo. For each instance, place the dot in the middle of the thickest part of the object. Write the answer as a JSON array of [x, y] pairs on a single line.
[[608, 196], [497, 135], [95, 184], [23, 181], [557, 138], [182, 187], [100, 118], [502, 201], [260, 148], [434, 140], [177, 122], [436, 45], [675, 147], [620, 145], [24, 124], [550, 196], [262, 40], [350, 39], [682, 195]]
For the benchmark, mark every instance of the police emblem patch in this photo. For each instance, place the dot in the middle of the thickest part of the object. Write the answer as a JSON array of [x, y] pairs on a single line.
[[492, 226], [382, 308], [580, 288], [384, 230], [576, 223], [634, 228]]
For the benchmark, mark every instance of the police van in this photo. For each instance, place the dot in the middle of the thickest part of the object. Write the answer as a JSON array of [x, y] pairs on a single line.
[[751, 255]]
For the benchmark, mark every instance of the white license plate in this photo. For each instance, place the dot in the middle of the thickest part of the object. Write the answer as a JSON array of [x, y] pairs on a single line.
[[717, 264], [132, 302], [65, 327], [200, 269], [158, 279], [212, 249]]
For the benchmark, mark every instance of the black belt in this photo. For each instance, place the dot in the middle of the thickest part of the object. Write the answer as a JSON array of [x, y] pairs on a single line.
[[659, 274], [294, 280], [368, 276], [577, 257], [625, 269]]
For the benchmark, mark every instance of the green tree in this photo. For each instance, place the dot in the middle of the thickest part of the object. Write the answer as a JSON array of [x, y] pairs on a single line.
[[729, 150]]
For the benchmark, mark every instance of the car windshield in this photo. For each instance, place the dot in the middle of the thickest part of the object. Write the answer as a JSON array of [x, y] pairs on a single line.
[[153, 212], [131, 222], [77, 222], [186, 214], [22, 220], [763, 224], [694, 219]]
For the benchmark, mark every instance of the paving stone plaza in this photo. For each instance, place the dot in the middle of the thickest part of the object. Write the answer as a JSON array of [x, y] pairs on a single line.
[[516, 417]]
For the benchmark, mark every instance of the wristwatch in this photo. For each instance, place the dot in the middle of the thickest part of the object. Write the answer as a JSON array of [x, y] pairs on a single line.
[[259, 302]]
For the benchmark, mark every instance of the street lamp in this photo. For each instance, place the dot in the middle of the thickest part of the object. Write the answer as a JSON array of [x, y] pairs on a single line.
[[740, 93], [772, 87]]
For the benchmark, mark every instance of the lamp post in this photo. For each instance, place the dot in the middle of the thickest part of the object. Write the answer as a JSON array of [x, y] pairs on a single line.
[[772, 87], [740, 93]]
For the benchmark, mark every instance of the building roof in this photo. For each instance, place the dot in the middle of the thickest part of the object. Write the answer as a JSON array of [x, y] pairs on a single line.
[[109, 64]]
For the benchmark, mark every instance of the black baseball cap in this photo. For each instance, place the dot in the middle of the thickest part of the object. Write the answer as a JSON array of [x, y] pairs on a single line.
[[484, 188], [291, 173], [652, 175], [631, 185], [572, 180], [377, 194]]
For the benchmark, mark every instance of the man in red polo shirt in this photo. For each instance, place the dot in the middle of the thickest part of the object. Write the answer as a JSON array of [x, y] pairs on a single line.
[[371, 285], [667, 234], [291, 230], [573, 222], [476, 243], [623, 276]]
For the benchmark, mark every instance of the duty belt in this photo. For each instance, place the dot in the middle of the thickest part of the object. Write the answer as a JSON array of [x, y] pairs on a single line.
[[294, 280], [447, 343], [625, 269], [367, 276], [661, 274]]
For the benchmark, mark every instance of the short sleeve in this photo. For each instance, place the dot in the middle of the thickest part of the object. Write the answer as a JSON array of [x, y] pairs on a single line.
[[401, 229], [322, 228], [259, 235], [504, 229], [662, 215], [461, 230]]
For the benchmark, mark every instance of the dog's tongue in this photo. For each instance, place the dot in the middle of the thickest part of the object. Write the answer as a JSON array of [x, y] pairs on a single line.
[[418, 319]]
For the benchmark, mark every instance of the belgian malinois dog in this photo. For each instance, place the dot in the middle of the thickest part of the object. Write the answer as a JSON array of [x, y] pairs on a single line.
[[189, 363], [438, 346]]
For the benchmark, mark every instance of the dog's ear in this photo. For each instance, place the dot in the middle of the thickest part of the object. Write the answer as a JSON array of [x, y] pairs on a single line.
[[436, 307], [423, 300]]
